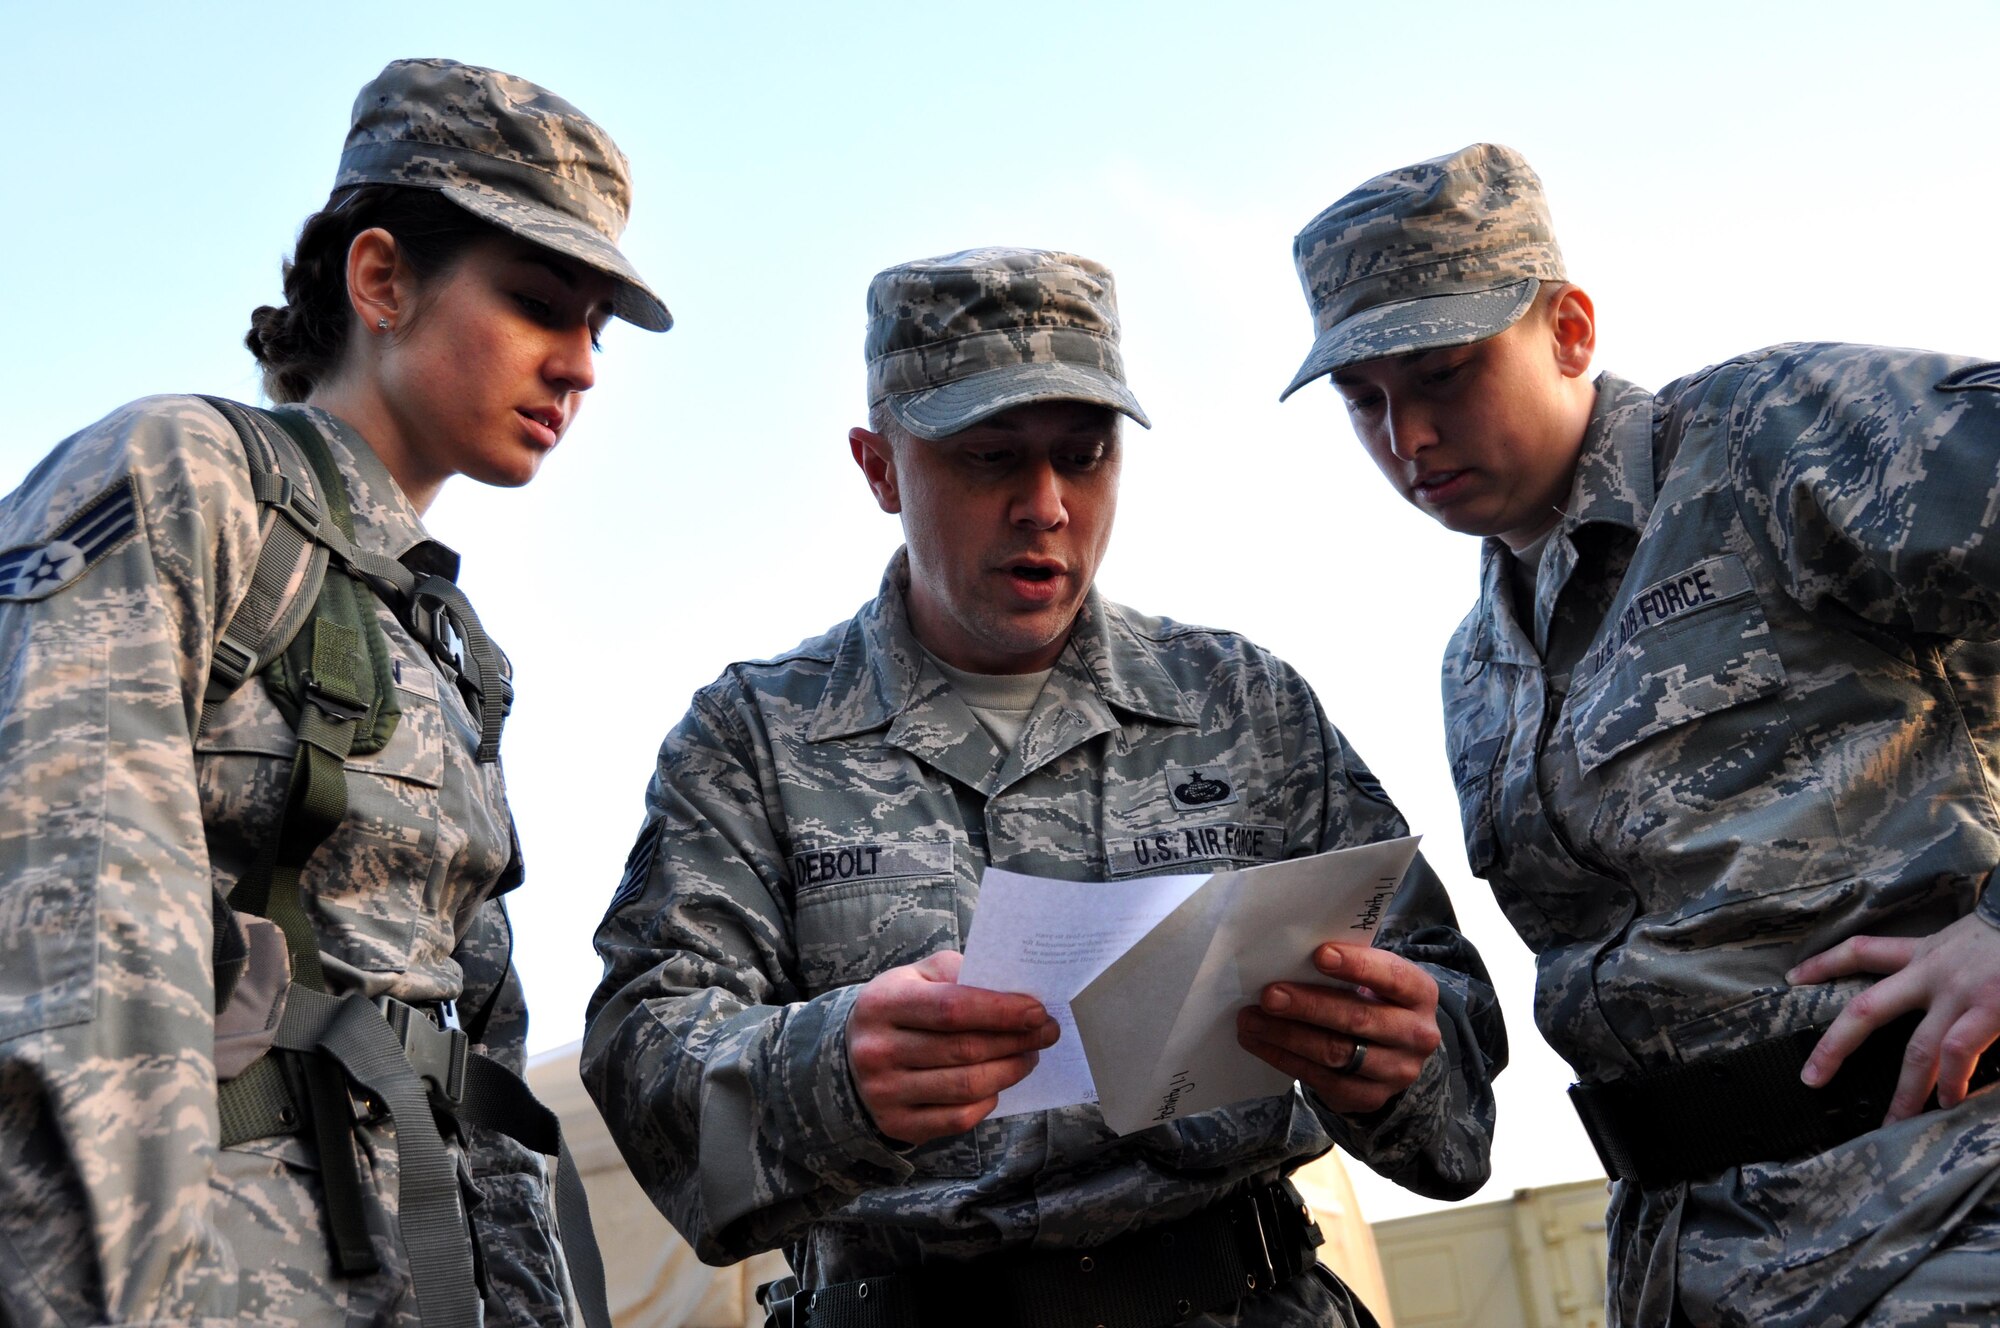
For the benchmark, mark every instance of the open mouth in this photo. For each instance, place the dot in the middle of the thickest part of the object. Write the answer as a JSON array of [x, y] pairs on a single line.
[[1028, 572], [549, 420]]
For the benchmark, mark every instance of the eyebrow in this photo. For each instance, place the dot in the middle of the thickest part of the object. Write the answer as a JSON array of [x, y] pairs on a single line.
[[534, 256]]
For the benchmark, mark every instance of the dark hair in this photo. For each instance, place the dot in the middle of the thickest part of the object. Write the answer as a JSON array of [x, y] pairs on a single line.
[[300, 344]]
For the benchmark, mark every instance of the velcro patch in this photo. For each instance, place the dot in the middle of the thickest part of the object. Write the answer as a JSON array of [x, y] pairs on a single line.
[[1197, 789], [837, 864], [1668, 599], [1232, 841], [37, 571]]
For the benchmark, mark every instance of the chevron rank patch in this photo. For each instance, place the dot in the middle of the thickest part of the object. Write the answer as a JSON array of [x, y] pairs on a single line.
[[37, 571], [1972, 376]]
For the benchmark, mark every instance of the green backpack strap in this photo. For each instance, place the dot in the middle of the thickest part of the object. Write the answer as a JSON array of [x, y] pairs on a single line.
[[308, 627], [332, 679]]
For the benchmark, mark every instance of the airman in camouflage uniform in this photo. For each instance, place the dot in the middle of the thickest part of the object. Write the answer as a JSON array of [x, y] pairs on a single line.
[[818, 824], [122, 556], [1724, 727]]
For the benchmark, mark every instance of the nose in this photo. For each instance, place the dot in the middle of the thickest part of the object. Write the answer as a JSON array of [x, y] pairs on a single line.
[[1038, 503], [1410, 429], [572, 363]]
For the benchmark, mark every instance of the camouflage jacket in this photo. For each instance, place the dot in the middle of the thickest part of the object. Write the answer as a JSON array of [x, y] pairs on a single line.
[[116, 1204], [824, 816], [1752, 712]]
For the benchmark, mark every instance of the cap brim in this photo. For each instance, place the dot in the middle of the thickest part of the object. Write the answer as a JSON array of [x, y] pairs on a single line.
[[1431, 323], [939, 412], [634, 301]]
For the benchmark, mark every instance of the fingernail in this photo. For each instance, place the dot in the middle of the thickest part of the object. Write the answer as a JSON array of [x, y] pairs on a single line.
[[1792, 977], [1811, 1075], [1034, 1019], [1277, 998], [1329, 959]]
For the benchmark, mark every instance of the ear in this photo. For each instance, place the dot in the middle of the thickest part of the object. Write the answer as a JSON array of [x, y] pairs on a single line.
[[1573, 323], [877, 459], [378, 281]]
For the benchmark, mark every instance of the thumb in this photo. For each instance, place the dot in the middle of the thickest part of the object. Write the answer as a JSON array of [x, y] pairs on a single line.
[[942, 966]]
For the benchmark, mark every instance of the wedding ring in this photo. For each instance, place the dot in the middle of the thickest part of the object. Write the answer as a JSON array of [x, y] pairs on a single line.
[[1355, 1058]]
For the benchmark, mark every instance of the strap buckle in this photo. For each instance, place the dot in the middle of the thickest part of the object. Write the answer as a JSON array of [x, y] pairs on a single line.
[[780, 1302], [1275, 1234], [293, 500], [341, 706], [231, 664], [438, 1055]]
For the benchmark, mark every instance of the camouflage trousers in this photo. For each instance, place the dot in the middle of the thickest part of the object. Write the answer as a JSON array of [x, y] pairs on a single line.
[[267, 1201], [1899, 1227]]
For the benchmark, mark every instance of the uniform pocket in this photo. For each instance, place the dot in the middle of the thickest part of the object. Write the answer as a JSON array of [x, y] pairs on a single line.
[[1680, 672], [861, 908], [370, 882], [1694, 778], [54, 700], [1472, 776]]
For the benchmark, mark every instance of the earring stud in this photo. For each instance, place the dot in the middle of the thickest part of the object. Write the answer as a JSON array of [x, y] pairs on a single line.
[[381, 325]]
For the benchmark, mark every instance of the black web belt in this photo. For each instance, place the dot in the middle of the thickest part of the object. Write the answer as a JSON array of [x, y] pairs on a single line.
[[1230, 1251], [1746, 1105]]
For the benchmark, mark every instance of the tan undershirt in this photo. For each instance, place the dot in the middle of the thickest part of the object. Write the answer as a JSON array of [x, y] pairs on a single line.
[[999, 701]]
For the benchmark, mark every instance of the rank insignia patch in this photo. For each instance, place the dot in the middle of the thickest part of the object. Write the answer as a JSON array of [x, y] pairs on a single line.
[[1192, 790], [36, 571]]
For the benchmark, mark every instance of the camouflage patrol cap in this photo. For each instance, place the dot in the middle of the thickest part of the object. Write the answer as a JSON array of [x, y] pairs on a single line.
[[1445, 252], [508, 152], [957, 339]]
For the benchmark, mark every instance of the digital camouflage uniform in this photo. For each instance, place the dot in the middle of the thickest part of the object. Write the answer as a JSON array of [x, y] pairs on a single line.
[[1751, 712], [1755, 713], [116, 1204], [821, 817]]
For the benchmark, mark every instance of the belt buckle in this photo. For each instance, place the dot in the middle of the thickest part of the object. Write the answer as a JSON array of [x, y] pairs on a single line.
[[437, 1054]]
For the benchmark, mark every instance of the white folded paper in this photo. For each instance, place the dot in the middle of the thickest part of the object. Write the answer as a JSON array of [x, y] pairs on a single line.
[[1145, 976]]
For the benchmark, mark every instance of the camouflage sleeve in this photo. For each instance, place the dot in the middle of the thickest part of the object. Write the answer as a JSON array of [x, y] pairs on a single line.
[[1871, 480], [120, 548], [729, 1094], [512, 1211], [1436, 1136]]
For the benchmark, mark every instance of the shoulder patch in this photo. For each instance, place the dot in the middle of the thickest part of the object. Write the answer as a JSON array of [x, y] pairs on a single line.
[[37, 571], [1368, 786], [1972, 376], [638, 866]]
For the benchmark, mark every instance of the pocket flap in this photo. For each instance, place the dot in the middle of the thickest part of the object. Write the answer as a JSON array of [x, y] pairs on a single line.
[[1697, 659]]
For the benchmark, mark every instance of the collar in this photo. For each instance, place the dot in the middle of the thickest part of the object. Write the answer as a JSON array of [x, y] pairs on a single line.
[[385, 521], [882, 678], [1614, 485], [1614, 473]]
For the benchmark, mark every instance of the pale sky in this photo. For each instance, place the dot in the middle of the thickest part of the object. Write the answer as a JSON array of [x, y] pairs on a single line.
[[1723, 176]]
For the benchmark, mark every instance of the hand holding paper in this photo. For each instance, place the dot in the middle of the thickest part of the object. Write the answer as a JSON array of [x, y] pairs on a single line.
[[929, 1056], [1146, 976], [1311, 1031]]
